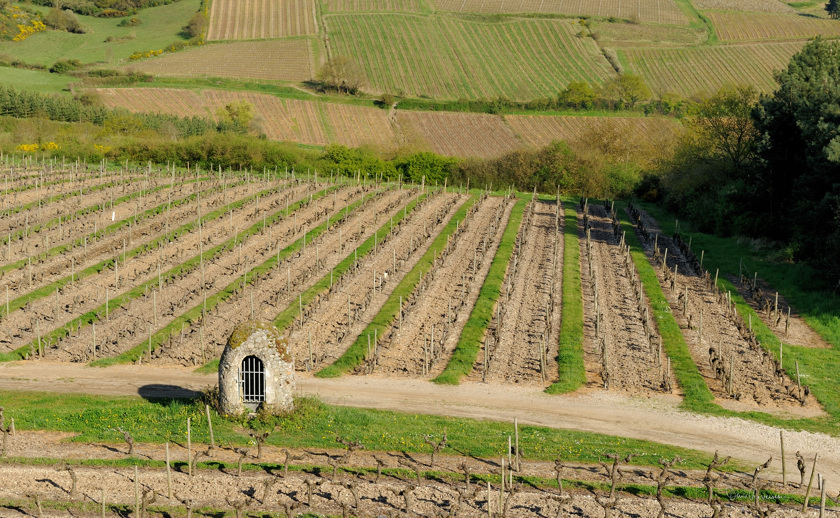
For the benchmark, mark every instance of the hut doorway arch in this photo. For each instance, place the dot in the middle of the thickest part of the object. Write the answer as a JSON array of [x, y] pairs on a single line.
[[252, 382]]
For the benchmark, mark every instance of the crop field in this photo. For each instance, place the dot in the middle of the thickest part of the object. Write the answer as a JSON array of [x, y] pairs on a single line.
[[172, 101], [666, 12], [379, 283], [460, 134], [277, 60], [761, 6], [542, 130], [703, 70], [446, 57], [742, 26], [374, 6], [261, 19]]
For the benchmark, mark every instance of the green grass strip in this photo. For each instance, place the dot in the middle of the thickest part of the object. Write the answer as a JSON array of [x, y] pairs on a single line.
[[316, 425], [570, 365], [93, 315], [354, 354], [56, 250], [288, 315], [469, 343], [63, 196], [194, 314], [818, 366], [48, 289], [698, 397]]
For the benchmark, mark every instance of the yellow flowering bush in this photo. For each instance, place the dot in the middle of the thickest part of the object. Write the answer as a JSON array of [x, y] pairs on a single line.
[[28, 30]]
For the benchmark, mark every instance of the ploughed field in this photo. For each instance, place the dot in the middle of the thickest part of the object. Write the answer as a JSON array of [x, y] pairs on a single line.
[[139, 264]]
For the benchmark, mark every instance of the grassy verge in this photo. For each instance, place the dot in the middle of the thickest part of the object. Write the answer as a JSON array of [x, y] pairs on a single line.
[[316, 425], [195, 314], [94, 315], [698, 397], [818, 366], [463, 357], [572, 373], [354, 354], [56, 250]]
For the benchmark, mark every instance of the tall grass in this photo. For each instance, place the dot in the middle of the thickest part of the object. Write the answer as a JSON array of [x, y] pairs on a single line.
[[355, 354], [463, 357], [570, 365]]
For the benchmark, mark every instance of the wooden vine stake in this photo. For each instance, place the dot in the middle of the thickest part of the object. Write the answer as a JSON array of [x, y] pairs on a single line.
[[810, 483]]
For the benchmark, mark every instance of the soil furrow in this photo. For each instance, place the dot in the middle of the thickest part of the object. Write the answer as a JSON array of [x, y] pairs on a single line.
[[280, 288], [431, 327], [328, 325], [77, 298]]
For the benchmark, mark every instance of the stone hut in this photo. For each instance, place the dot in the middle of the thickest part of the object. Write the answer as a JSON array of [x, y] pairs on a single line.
[[256, 371]]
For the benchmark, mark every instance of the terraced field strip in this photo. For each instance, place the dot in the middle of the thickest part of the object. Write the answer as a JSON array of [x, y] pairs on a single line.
[[356, 353], [289, 315], [236, 289], [374, 6], [447, 57], [742, 26], [434, 316], [734, 367], [173, 101], [572, 372], [54, 336], [339, 317], [752, 6], [542, 130], [620, 351], [696, 393], [52, 263], [260, 19], [694, 71], [295, 283], [460, 134], [472, 337], [59, 203], [275, 60], [665, 12]]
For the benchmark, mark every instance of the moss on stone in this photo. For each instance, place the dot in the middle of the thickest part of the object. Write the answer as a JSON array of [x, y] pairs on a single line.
[[244, 330]]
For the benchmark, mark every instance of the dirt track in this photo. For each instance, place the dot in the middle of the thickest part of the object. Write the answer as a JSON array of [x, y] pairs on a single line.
[[655, 418]]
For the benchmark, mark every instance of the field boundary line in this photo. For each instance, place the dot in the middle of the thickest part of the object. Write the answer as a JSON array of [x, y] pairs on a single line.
[[288, 315], [471, 339], [87, 318], [191, 315], [570, 365], [355, 353], [697, 396]]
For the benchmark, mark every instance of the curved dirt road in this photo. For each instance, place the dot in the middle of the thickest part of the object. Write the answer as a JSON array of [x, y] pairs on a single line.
[[654, 418]]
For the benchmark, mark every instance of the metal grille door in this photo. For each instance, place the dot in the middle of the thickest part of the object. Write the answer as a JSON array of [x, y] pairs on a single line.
[[252, 380]]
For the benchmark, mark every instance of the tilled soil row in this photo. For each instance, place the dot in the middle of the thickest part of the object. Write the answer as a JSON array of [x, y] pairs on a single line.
[[45, 271], [435, 314], [732, 366], [81, 297], [529, 310], [316, 490], [25, 189], [278, 288], [131, 324], [84, 194], [776, 313], [621, 351], [327, 319]]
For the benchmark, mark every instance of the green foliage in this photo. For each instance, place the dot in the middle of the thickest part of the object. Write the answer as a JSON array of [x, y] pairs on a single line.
[[64, 21], [570, 351], [340, 74], [236, 116], [627, 90], [316, 425], [547, 168], [577, 95], [469, 343], [196, 26], [355, 354], [833, 8], [132, 21], [434, 167], [104, 8], [65, 65]]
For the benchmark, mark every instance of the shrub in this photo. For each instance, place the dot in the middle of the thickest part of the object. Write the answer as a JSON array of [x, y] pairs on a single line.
[[129, 22], [64, 21], [195, 27], [63, 66]]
